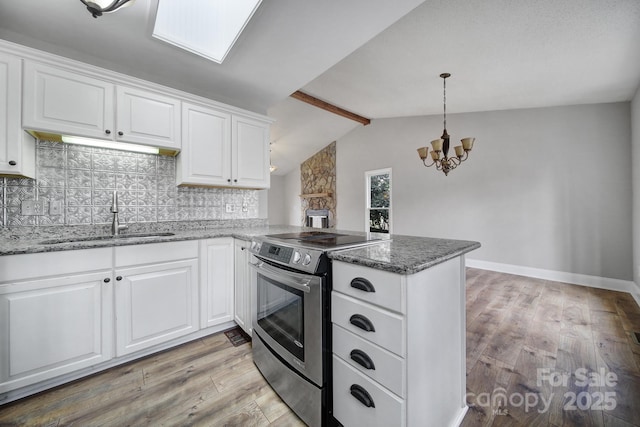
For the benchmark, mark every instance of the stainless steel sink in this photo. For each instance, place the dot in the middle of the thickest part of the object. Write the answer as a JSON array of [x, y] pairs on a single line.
[[105, 237]]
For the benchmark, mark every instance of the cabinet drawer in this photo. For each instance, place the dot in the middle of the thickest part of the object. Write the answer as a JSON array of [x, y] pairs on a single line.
[[382, 288], [21, 267], [388, 409], [384, 366], [155, 252], [387, 327]]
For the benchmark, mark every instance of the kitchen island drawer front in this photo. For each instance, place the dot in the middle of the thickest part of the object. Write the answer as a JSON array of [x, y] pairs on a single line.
[[356, 316], [388, 409], [374, 286], [384, 366]]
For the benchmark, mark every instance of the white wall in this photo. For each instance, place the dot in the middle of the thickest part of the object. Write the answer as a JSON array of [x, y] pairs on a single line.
[[635, 158], [284, 200], [548, 188], [276, 203], [291, 199]]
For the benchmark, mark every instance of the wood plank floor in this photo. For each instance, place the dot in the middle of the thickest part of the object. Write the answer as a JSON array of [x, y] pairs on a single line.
[[539, 352], [518, 330]]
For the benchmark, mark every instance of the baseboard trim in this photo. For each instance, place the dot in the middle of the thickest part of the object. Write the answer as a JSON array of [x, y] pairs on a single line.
[[560, 276]]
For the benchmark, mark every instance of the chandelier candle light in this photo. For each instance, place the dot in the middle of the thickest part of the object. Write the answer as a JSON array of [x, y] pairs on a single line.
[[440, 152]]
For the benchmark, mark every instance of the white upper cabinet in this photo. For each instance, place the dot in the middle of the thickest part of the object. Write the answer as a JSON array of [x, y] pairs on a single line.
[[17, 150], [147, 118], [63, 102], [204, 159], [222, 149], [250, 152]]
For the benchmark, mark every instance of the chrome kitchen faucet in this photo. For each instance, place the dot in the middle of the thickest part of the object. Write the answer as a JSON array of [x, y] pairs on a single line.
[[116, 227]]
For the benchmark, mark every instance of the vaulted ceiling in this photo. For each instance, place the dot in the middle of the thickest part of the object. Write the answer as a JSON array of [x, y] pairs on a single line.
[[373, 57]]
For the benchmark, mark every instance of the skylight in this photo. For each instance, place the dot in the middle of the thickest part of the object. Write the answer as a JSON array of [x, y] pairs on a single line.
[[208, 28]]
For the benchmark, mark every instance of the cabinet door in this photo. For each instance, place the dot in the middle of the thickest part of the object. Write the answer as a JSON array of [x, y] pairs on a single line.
[[250, 153], [54, 326], [155, 304], [242, 312], [206, 149], [216, 304], [15, 158], [63, 102], [147, 118]]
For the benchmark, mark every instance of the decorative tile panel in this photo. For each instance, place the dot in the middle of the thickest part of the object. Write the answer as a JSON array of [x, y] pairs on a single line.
[[82, 180]]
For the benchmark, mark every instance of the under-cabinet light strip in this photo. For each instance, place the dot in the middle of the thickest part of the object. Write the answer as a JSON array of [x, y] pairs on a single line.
[[109, 144]]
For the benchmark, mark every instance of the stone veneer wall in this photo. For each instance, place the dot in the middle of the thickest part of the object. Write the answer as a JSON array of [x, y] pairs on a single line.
[[318, 175], [83, 179]]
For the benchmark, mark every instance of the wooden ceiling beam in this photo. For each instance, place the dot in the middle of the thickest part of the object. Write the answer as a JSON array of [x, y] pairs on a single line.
[[301, 96]]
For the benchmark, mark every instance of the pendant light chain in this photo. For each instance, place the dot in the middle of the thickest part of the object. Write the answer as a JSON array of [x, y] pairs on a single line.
[[445, 101]]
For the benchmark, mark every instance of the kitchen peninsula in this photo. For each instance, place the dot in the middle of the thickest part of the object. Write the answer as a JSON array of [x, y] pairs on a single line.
[[418, 302]]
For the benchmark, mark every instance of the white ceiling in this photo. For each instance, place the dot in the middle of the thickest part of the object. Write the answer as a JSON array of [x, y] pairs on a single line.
[[502, 54]]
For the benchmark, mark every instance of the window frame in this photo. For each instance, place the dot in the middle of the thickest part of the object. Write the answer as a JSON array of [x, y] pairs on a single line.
[[368, 208]]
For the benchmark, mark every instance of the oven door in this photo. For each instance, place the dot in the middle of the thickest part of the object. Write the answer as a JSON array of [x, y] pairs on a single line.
[[289, 317]]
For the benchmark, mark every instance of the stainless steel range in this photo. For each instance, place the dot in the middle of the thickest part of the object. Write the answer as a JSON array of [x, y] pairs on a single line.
[[292, 330]]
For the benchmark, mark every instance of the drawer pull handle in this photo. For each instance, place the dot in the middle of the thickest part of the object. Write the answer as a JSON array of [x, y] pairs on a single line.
[[362, 359], [362, 284], [362, 395], [362, 322]]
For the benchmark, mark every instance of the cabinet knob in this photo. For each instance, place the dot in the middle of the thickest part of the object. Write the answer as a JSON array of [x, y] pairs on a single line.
[[12, 162], [108, 132], [119, 278], [235, 180], [106, 280], [229, 180], [120, 133]]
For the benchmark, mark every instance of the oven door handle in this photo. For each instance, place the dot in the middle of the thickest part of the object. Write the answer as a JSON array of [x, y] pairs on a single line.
[[286, 278]]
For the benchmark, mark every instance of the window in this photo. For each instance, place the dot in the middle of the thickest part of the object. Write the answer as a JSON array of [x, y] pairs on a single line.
[[378, 211]]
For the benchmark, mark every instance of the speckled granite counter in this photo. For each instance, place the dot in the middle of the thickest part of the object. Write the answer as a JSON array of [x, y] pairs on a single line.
[[405, 254], [25, 240]]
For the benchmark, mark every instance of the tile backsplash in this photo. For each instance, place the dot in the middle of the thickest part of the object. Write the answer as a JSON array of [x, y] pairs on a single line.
[[82, 180]]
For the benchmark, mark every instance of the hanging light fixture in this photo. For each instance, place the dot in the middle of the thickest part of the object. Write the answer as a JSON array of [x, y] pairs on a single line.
[[439, 155], [98, 7]]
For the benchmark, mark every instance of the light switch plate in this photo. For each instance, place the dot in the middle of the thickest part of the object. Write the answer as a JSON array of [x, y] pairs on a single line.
[[32, 207], [55, 207]]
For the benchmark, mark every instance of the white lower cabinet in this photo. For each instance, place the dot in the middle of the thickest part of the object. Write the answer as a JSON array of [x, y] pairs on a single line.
[[58, 324], [399, 346], [217, 276], [244, 290], [156, 295]]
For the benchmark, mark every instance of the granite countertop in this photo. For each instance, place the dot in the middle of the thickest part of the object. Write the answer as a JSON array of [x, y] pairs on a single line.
[[403, 254], [27, 240]]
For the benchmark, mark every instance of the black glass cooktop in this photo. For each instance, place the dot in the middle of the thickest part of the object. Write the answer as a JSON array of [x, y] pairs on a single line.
[[323, 239]]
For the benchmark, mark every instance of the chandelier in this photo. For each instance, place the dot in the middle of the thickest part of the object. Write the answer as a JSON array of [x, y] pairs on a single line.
[[439, 155], [98, 7]]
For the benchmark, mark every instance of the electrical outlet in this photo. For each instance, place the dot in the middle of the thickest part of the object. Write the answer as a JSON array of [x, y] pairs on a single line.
[[245, 208], [229, 208], [32, 207], [55, 207]]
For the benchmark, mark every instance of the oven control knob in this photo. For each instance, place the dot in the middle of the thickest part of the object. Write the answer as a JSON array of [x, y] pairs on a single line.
[[296, 257], [306, 260]]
